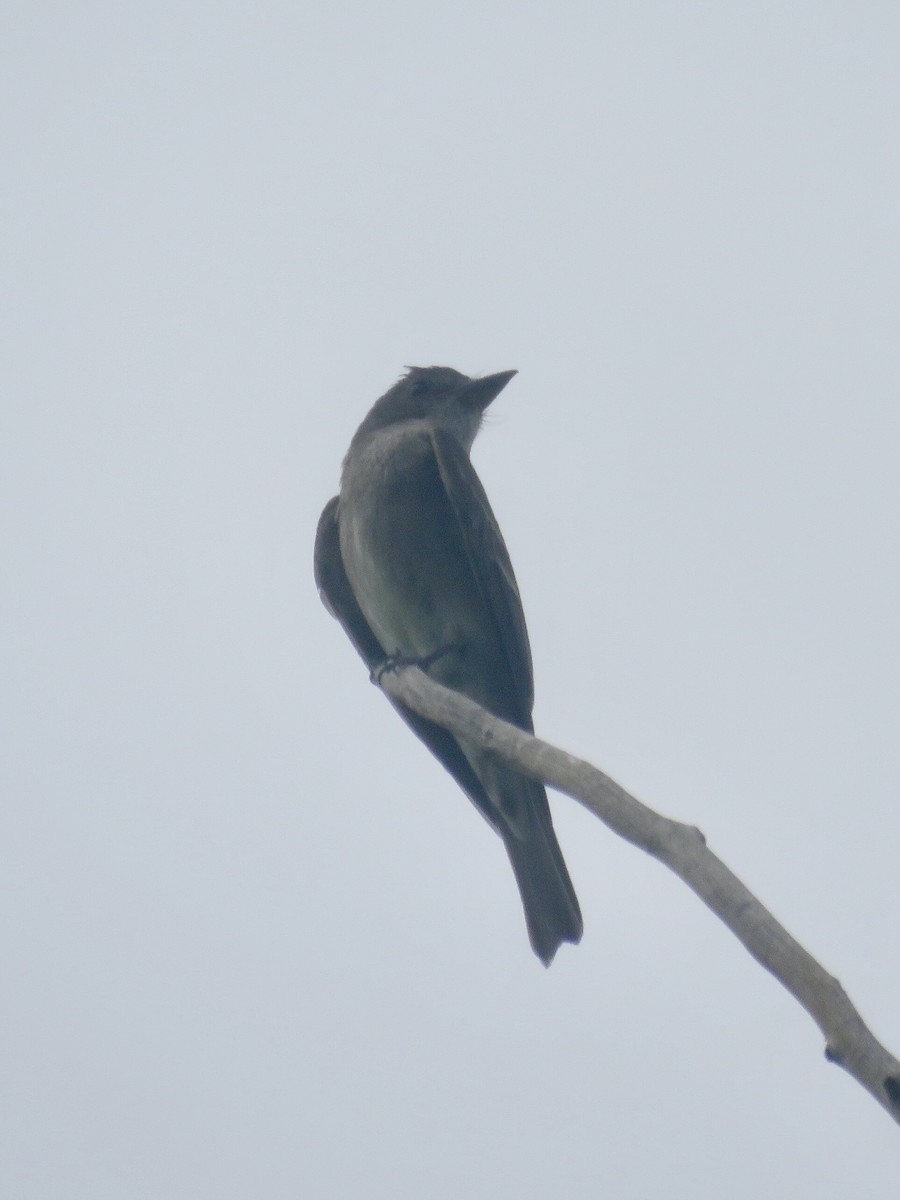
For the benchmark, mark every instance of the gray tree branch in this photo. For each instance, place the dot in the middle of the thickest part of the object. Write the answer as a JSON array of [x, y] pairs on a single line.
[[683, 849]]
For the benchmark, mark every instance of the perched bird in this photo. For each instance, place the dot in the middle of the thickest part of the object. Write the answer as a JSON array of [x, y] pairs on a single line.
[[410, 559]]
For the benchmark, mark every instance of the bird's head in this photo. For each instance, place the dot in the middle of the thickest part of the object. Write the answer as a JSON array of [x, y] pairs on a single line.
[[447, 398]]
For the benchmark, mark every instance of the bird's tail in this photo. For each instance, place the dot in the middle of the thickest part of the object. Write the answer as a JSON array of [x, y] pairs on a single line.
[[552, 913]]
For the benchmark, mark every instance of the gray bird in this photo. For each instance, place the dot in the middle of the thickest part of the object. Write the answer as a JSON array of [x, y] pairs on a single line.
[[411, 561]]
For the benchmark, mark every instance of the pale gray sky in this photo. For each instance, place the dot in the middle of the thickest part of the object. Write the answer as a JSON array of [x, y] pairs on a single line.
[[254, 941]]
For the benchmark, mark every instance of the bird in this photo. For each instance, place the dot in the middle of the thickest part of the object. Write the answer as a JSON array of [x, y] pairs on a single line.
[[410, 560]]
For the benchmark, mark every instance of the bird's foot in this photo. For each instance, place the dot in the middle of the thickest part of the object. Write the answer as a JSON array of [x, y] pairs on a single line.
[[395, 661]]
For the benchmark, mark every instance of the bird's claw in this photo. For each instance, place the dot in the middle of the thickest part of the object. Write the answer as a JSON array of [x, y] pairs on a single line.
[[395, 661]]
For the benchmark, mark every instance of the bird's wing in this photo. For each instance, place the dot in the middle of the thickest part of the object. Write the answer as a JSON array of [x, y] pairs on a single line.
[[335, 590], [337, 596], [491, 568]]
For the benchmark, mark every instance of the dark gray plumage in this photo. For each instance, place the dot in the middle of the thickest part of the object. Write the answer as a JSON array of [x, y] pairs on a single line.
[[411, 561]]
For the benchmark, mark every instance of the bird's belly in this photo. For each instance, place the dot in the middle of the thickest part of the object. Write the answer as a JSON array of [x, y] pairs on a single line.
[[411, 588]]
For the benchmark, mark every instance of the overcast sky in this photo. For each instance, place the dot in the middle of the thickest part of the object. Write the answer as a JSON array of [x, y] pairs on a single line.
[[255, 942]]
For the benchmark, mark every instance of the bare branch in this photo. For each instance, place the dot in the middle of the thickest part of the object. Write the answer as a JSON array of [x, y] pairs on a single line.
[[683, 849]]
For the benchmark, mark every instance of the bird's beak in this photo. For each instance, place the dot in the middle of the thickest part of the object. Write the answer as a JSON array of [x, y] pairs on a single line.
[[478, 393]]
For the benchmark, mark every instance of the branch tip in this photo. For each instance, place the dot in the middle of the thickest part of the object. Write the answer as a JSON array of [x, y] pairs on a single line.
[[682, 848]]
